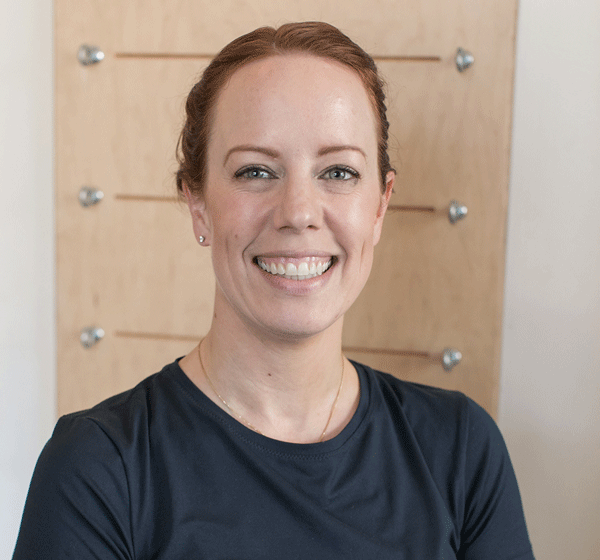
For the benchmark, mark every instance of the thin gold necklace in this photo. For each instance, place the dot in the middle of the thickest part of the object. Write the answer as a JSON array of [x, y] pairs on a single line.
[[244, 421]]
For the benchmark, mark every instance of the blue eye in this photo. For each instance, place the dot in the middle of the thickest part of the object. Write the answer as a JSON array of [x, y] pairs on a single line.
[[340, 173], [254, 172]]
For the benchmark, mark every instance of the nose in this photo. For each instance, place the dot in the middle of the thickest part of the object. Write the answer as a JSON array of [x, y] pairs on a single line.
[[299, 206]]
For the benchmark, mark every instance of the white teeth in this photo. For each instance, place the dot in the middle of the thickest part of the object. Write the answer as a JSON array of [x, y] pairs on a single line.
[[303, 271], [291, 270]]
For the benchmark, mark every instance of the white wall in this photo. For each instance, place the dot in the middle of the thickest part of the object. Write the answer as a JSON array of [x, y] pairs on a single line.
[[550, 399], [27, 339]]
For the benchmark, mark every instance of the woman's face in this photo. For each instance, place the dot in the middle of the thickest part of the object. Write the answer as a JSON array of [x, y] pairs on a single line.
[[292, 204]]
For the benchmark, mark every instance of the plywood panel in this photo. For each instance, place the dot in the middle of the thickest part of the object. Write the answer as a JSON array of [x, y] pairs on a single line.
[[119, 124], [131, 265], [113, 366], [467, 377], [381, 26], [163, 281]]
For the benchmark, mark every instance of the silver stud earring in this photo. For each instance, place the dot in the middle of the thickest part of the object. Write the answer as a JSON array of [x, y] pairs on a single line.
[[201, 238]]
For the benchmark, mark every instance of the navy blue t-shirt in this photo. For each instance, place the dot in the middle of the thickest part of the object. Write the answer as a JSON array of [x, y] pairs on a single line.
[[161, 472]]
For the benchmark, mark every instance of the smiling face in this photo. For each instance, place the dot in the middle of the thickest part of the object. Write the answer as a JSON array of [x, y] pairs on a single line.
[[292, 204]]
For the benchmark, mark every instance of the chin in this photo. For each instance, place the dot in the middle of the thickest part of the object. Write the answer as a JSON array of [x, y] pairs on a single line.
[[294, 331]]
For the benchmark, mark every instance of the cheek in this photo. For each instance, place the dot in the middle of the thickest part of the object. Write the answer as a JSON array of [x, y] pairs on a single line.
[[362, 218], [236, 219], [366, 235], [356, 234]]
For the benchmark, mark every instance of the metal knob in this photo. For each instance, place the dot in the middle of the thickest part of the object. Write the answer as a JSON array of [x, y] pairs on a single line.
[[456, 211], [91, 336], [89, 55], [464, 59], [88, 196], [450, 358]]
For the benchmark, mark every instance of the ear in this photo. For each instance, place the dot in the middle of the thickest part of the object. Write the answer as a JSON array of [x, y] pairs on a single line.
[[200, 217], [383, 204]]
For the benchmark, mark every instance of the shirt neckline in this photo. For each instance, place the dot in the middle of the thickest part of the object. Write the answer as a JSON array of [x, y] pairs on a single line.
[[281, 448]]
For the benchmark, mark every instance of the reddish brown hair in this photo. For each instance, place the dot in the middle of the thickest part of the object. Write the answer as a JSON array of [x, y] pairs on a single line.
[[316, 38]]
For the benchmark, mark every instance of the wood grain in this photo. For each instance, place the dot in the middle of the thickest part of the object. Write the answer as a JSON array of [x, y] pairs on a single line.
[[131, 265]]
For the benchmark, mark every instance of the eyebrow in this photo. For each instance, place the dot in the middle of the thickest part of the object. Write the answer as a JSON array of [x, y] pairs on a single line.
[[274, 153], [341, 148], [250, 148]]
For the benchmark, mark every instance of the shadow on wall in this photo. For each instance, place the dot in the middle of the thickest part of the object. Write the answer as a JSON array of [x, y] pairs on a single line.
[[567, 530]]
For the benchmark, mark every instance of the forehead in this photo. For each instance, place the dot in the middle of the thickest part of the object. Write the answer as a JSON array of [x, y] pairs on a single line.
[[294, 95]]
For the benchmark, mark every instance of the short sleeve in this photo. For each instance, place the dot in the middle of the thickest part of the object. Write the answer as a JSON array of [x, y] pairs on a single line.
[[78, 505], [494, 523]]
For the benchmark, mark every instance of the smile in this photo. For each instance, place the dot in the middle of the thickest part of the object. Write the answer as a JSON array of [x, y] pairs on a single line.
[[301, 269]]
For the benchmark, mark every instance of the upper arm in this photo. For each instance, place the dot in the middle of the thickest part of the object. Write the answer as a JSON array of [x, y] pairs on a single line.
[[78, 501], [494, 524]]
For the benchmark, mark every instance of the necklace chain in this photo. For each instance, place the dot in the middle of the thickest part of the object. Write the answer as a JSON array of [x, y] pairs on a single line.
[[244, 421]]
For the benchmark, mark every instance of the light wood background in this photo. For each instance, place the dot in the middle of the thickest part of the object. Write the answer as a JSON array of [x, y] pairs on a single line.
[[130, 264]]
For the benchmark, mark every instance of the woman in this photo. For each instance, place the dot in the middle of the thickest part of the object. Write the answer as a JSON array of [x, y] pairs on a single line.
[[264, 441]]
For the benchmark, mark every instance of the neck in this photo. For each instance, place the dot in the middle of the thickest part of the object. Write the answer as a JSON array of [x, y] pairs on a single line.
[[284, 388], [300, 371]]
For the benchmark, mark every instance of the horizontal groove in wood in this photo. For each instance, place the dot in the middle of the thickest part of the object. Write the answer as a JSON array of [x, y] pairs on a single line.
[[157, 336], [162, 198], [192, 56], [365, 350], [182, 56], [403, 208], [147, 197], [358, 349], [413, 58]]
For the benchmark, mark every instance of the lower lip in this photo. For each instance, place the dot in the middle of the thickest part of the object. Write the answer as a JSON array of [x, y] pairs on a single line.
[[297, 287]]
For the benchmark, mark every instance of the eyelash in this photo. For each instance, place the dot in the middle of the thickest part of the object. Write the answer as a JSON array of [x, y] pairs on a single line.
[[246, 173], [353, 173]]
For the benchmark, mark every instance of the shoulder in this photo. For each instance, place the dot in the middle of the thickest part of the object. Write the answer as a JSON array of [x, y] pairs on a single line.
[[94, 456], [87, 476], [453, 433], [464, 453], [426, 406], [121, 417]]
